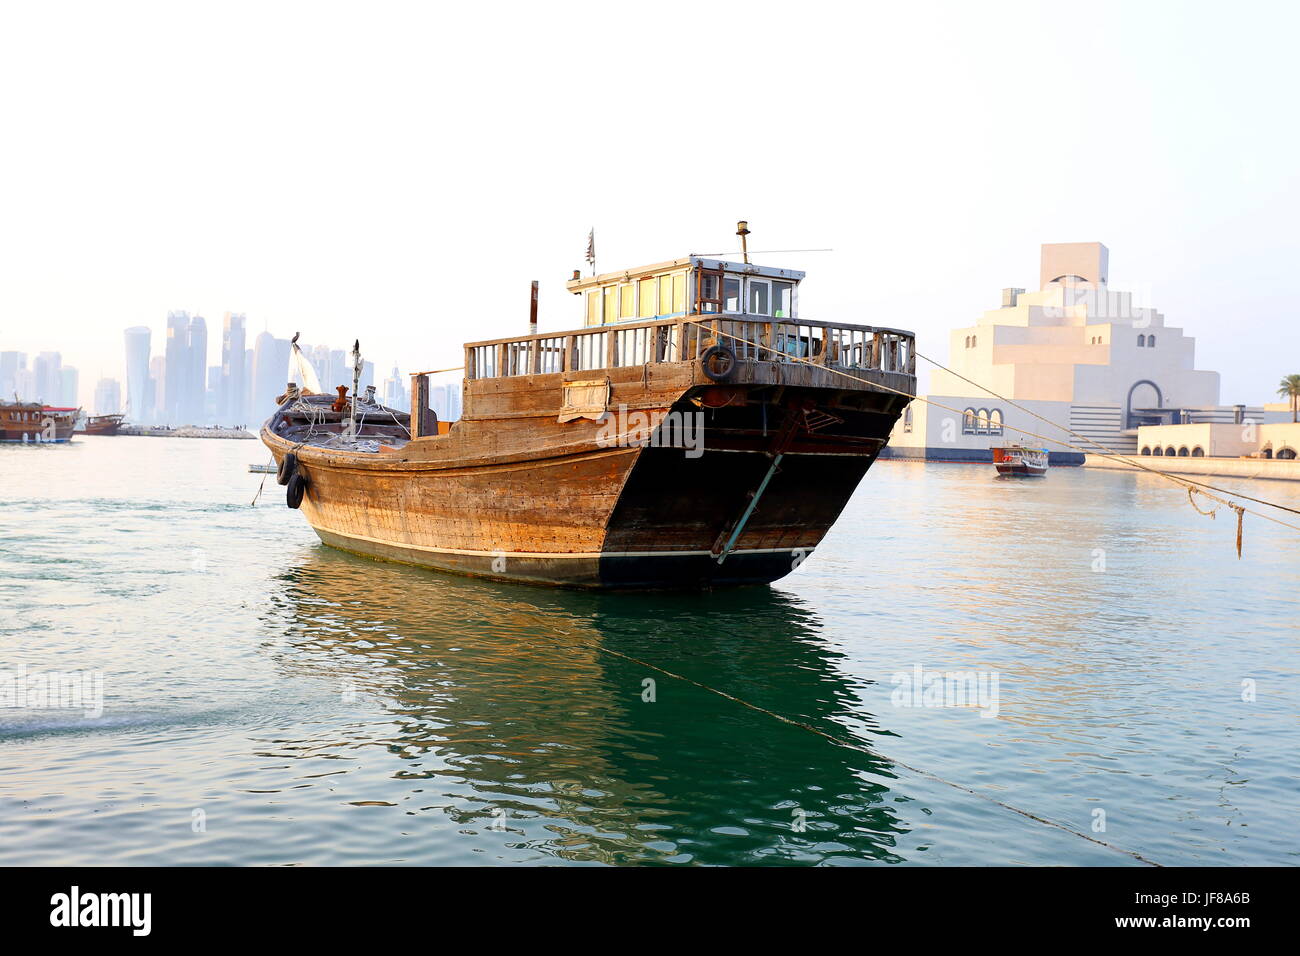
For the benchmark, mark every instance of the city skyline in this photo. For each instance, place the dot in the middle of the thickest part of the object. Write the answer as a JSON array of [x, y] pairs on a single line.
[[173, 384]]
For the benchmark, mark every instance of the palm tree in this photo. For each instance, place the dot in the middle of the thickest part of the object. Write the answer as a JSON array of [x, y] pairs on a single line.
[[1289, 387]]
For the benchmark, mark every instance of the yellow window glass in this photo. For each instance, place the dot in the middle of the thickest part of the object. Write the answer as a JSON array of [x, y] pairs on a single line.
[[647, 310], [627, 301], [679, 292], [593, 308], [611, 303]]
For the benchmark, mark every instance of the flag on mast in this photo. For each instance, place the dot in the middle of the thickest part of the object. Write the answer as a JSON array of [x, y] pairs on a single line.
[[591, 249]]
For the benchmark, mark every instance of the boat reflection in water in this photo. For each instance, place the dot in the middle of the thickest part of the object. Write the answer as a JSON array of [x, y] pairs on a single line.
[[501, 706]]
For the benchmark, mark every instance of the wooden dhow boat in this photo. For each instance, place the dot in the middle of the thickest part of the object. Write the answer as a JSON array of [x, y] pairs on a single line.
[[103, 424], [34, 423], [695, 433]]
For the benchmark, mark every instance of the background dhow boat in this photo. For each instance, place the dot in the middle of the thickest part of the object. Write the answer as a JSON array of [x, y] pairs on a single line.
[[695, 433], [34, 423]]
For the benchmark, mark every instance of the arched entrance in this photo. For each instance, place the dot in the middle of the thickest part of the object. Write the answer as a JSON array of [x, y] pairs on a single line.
[[1149, 390]]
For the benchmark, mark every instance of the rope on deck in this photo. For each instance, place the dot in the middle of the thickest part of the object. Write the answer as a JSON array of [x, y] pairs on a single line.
[[1193, 487]]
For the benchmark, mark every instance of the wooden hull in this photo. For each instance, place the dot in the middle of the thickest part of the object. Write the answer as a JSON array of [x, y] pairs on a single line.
[[511, 493], [30, 424], [103, 426]]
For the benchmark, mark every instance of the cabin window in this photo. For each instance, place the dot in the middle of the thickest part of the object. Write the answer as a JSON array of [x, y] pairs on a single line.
[[626, 302], [995, 422], [758, 298], [968, 425], [593, 307], [1151, 341], [1142, 341], [611, 303], [731, 295], [709, 293], [649, 301], [782, 299], [679, 292]]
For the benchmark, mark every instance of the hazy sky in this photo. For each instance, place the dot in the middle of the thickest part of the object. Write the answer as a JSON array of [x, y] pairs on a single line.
[[399, 172]]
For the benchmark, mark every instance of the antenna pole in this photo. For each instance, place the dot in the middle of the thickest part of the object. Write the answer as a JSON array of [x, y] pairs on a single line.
[[532, 311], [742, 230]]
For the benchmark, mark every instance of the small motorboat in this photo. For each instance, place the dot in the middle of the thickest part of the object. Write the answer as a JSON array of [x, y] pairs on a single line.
[[1017, 461]]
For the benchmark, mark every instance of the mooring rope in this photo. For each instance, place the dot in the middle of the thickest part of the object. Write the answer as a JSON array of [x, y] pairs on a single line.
[[1028, 411], [1197, 487], [864, 749]]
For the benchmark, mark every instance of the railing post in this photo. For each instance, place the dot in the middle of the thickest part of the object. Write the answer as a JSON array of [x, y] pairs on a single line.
[[611, 349], [570, 345], [534, 356], [420, 424], [469, 364], [876, 355]]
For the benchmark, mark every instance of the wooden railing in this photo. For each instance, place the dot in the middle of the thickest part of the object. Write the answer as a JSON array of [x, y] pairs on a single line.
[[751, 338]]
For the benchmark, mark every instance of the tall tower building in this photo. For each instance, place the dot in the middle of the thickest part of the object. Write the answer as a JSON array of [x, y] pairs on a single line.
[[270, 373], [196, 391], [69, 386], [47, 371], [232, 399], [108, 397], [177, 363], [139, 406], [11, 363]]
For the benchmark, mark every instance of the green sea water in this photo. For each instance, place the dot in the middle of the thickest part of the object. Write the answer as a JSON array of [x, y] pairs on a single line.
[[267, 700]]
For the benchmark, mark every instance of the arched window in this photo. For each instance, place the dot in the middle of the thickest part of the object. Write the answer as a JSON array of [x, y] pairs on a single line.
[[968, 425], [1171, 452], [968, 341], [1157, 451], [1287, 453], [1142, 341], [1198, 452], [1182, 452], [974, 341], [982, 421], [1151, 341], [1146, 449], [995, 422]]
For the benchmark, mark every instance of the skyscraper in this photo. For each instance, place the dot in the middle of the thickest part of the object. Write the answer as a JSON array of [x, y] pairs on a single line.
[[232, 400], [139, 404], [157, 386], [47, 369], [270, 373], [396, 395], [196, 385], [69, 387], [177, 363], [108, 397], [11, 363]]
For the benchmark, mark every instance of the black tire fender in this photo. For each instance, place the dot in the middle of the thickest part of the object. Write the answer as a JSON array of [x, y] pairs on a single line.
[[288, 465], [296, 489], [718, 362]]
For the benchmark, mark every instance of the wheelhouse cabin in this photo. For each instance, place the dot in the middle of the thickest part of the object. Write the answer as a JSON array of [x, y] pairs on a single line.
[[694, 285]]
